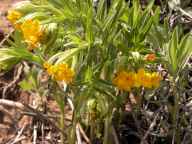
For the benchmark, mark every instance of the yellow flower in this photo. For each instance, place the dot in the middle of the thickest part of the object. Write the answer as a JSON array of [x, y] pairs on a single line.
[[127, 80], [51, 69], [46, 65], [64, 73], [137, 82], [140, 77], [60, 72], [124, 80], [31, 30], [147, 80], [143, 78], [130, 79], [13, 16], [155, 79]]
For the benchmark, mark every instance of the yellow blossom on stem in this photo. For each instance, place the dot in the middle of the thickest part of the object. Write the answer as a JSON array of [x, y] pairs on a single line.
[[155, 79], [124, 80], [128, 80], [141, 77], [31, 30], [60, 72], [147, 80], [46, 65], [13, 16], [144, 78], [137, 82]]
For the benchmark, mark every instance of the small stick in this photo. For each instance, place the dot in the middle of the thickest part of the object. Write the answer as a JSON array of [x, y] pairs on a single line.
[[70, 104], [34, 134], [17, 77], [12, 104], [30, 109], [43, 133], [115, 135], [35, 115], [18, 140], [79, 141], [185, 13], [44, 115], [150, 128], [83, 133], [6, 112], [18, 137], [8, 35], [41, 116]]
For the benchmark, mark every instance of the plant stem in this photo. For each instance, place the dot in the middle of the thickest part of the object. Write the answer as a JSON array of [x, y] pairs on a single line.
[[175, 116], [106, 131], [62, 124]]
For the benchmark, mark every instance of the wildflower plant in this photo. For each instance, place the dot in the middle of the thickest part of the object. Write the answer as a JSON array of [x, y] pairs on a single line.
[[96, 56], [13, 16], [127, 80]]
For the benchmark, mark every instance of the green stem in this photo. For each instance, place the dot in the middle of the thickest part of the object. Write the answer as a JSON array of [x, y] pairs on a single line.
[[106, 131], [62, 124], [175, 115], [92, 131]]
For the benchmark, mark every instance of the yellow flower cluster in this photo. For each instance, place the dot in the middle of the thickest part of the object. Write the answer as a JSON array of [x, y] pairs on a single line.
[[31, 29], [13, 16], [127, 80], [60, 72]]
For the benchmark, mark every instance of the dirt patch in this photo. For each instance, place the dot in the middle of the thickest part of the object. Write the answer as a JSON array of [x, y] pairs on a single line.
[[4, 6]]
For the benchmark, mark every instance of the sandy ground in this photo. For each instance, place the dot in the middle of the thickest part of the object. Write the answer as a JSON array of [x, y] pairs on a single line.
[[4, 6]]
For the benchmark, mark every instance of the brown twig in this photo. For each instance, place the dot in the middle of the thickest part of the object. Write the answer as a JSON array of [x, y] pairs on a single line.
[[83, 133], [35, 134], [79, 141], [19, 137], [27, 108], [8, 35], [115, 135], [12, 104], [43, 133], [41, 117], [151, 127], [16, 79], [44, 115], [2, 109]]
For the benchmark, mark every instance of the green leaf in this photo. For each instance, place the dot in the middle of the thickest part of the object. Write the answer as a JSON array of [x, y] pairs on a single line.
[[173, 47], [29, 83], [101, 10], [89, 25], [150, 5], [25, 7], [185, 50], [179, 52], [136, 11], [35, 15], [11, 56], [64, 56]]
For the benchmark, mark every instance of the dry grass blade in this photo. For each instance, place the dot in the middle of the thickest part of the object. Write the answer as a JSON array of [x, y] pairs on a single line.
[[16, 79]]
